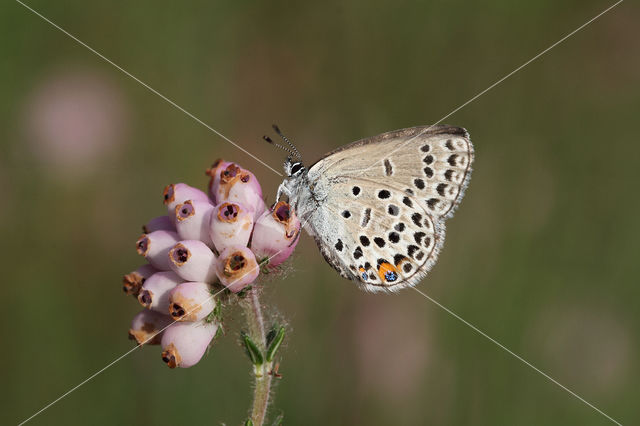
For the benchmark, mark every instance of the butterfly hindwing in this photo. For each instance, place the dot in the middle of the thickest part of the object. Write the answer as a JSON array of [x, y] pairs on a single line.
[[380, 237]]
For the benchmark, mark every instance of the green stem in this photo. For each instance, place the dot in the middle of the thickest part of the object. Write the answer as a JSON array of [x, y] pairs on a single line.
[[255, 322]]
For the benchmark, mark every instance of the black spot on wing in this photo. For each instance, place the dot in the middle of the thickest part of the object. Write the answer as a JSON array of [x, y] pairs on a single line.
[[388, 169], [366, 217]]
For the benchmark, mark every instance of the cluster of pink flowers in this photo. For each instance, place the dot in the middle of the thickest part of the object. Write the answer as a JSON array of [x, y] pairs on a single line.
[[209, 245]]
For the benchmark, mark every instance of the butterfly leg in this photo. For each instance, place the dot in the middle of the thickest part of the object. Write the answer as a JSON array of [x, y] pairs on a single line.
[[282, 189]]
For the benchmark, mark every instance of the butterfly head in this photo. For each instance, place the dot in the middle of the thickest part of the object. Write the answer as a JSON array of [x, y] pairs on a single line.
[[293, 169]]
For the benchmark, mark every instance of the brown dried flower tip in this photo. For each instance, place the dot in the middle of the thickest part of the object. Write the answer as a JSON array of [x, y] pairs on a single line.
[[236, 262], [168, 194], [176, 311], [179, 254], [185, 211], [282, 213], [142, 245], [228, 212], [211, 171], [230, 173], [145, 298], [132, 282], [171, 356]]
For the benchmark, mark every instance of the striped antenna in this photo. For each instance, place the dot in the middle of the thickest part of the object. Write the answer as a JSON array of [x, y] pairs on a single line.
[[295, 150]]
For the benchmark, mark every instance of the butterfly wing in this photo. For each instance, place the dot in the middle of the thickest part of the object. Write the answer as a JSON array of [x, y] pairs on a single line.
[[382, 238], [431, 162], [380, 221]]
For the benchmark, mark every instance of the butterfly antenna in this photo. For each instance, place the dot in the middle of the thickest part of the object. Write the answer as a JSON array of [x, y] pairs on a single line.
[[286, 139], [277, 145]]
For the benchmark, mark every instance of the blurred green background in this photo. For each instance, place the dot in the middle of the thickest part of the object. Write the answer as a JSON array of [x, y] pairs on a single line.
[[542, 255]]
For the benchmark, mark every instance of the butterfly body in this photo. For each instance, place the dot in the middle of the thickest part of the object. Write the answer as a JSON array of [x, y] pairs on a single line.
[[377, 207]]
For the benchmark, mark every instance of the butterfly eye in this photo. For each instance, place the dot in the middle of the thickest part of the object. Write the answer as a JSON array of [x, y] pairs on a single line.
[[296, 168]]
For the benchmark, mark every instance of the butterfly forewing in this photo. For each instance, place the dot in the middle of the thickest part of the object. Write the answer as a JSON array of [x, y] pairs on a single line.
[[432, 162]]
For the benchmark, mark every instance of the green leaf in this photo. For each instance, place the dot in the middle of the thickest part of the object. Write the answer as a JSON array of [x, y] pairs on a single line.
[[249, 422], [255, 354], [243, 293], [275, 344], [272, 334]]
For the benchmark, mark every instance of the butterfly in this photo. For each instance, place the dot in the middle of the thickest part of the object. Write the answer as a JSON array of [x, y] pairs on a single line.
[[377, 207]]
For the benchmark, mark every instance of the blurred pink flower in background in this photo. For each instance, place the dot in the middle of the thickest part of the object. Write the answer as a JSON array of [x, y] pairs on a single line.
[[74, 120], [584, 345], [383, 323]]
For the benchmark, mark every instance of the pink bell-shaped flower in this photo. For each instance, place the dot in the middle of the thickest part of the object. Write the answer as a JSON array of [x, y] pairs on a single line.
[[178, 193], [132, 281], [192, 301], [184, 343], [275, 234], [214, 172], [154, 293], [237, 185], [160, 223], [192, 220], [237, 268], [192, 260], [231, 225], [147, 327], [155, 247]]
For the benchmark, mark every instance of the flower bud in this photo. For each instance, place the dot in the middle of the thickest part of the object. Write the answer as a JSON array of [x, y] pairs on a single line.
[[192, 220], [147, 327], [237, 268], [160, 223], [155, 247], [184, 343], [178, 193], [231, 225], [214, 172], [191, 301], [154, 293], [237, 185], [132, 282], [192, 260], [275, 234]]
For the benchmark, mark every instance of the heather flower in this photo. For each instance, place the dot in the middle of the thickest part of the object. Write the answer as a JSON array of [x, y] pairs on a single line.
[[132, 281], [155, 247], [237, 185], [230, 225], [192, 260], [207, 253], [154, 293], [275, 234], [184, 343], [192, 220], [191, 301], [147, 327], [178, 193], [237, 268], [160, 223], [214, 172]]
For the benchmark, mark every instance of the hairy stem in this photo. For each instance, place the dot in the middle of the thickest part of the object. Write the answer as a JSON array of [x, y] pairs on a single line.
[[255, 322]]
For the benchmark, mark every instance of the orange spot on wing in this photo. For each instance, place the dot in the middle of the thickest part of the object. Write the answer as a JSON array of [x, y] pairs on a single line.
[[384, 268]]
